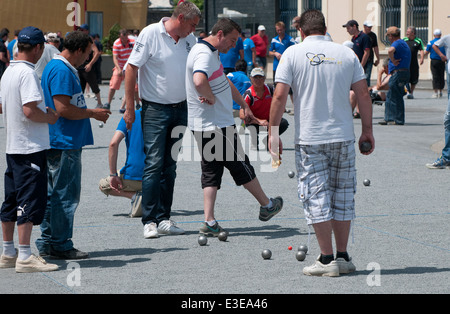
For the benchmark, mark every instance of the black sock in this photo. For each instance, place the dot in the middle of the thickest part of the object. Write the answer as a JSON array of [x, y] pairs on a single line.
[[326, 259], [343, 255]]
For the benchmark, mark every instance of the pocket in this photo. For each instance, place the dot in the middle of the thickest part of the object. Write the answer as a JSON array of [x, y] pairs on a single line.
[[303, 190]]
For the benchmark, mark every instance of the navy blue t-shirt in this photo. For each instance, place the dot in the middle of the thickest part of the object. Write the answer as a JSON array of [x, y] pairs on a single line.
[[361, 42]]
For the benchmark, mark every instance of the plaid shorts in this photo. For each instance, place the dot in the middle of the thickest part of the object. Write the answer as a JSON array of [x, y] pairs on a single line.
[[327, 181]]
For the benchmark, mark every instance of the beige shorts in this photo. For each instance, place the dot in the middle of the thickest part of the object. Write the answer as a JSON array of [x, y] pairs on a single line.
[[128, 186]]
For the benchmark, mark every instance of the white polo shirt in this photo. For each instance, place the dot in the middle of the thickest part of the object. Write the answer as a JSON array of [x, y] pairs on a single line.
[[321, 74], [205, 58], [162, 64], [19, 86], [445, 42]]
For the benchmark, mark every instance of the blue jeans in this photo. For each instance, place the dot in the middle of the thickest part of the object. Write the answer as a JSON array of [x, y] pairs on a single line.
[[395, 105], [64, 189], [158, 122], [368, 71]]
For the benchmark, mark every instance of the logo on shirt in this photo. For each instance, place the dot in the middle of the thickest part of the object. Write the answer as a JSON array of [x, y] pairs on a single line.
[[138, 46], [315, 59], [188, 47]]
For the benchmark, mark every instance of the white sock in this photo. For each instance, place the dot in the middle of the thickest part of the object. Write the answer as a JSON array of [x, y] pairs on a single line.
[[211, 223], [9, 249], [24, 252], [269, 205]]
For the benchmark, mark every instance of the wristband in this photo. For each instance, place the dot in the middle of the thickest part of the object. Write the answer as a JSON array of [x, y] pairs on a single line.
[[114, 175]]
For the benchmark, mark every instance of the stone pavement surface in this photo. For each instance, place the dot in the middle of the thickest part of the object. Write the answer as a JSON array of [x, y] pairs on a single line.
[[400, 241]]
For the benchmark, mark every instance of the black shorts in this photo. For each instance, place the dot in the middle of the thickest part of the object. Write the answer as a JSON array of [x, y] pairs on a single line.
[[221, 149], [414, 77], [25, 188]]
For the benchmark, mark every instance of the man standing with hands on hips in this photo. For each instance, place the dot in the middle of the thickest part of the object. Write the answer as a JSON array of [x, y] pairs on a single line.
[[160, 55]]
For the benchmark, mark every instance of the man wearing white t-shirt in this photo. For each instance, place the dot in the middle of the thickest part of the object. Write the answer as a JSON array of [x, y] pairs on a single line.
[[26, 121], [210, 96], [160, 55], [321, 74]]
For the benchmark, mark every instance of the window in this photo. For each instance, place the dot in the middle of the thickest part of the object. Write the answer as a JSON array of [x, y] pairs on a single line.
[[312, 5], [417, 16], [390, 15], [288, 10], [95, 22]]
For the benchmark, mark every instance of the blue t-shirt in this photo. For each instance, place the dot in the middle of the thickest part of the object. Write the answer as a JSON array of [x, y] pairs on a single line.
[[280, 46], [230, 58], [403, 53], [61, 78], [248, 55], [134, 164], [433, 54], [242, 83]]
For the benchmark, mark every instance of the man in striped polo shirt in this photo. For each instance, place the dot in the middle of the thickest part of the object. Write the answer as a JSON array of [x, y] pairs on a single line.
[[121, 52]]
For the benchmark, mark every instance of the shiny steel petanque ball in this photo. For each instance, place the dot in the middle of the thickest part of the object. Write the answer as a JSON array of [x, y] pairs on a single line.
[[366, 182], [291, 174], [100, 125], [303, 248], [223, 236], [266, 254], [365, 147], [300, 256], [202, 240]]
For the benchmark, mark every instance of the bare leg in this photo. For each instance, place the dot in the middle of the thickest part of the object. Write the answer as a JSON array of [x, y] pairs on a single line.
[[209, 199], [255, 189]]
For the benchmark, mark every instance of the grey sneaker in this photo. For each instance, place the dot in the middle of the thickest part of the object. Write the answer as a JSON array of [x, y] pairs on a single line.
[[440, 163], [344, 266], [34, 264], [169, 227], [213, 231], [106, 106], [265, 214], [319, 269]]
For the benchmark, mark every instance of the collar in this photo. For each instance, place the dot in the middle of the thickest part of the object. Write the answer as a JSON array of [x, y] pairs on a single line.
[[266, 91], [315, 38], [31, 65], [359, 34], [201, 41], [61, 58]]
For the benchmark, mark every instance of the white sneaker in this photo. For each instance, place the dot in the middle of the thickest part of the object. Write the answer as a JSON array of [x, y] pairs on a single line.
[[169, 227], [150, 230], [319, 269], [34, 264], [434, 96], [344, 266]]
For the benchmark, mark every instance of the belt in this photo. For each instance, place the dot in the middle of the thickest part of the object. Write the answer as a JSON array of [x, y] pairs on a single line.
[[177, 105], [400, 70]]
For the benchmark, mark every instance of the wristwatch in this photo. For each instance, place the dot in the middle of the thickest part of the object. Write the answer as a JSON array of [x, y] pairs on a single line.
[[113, 175]]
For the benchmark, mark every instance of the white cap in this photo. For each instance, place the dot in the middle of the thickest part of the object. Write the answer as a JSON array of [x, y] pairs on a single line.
[[257, 72], [261, 28], [368, 24], [437, 31]]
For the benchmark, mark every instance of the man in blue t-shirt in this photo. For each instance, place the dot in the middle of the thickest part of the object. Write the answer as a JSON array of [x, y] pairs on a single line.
[[62, 93], [128, 181], [249, 53], [239, 79], [437, 66], [279, 44], [230, 58], [399, 61]]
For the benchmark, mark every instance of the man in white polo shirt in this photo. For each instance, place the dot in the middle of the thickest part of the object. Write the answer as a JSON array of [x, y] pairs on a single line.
[[321, 74], [160, 55], [210, 96]]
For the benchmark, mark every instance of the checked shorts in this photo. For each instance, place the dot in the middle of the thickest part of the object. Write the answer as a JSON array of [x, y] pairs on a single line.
[[327, 181]]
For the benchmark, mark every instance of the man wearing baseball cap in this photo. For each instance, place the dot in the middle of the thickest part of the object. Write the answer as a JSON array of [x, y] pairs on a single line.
[[361, 42], [261, 43], [374, 51], [437, 65], [27, 141]]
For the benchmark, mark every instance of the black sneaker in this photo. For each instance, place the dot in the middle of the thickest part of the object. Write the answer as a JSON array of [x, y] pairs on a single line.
[[265, 214], [70, 254]]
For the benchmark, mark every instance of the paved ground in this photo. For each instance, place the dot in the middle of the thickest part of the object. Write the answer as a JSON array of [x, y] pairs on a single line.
[[401, 242]]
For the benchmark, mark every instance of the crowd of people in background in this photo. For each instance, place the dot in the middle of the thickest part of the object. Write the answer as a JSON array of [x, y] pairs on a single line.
[[223, 67]]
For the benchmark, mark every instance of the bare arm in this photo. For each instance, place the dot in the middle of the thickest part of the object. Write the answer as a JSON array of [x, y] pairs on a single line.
[[115, 182], [277, 109], [66, 110], [130, 83], [365, 110], [32, 112]]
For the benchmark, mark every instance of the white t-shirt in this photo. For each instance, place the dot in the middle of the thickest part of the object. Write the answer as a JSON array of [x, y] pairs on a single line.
[[205, 58], [321, 73], [162, 64], [445, 42], [19, 86]]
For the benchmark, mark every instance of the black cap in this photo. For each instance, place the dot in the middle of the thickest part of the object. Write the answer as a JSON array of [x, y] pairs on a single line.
[[351, 23]]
